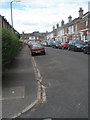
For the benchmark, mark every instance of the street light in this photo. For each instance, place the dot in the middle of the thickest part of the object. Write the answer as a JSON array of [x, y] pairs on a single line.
[[11, 13]]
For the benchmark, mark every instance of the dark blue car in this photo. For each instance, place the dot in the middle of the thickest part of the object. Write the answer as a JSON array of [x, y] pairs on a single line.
[[86, 48], [76, 45]]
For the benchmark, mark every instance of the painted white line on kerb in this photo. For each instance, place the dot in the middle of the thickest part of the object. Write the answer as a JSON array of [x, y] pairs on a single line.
[[42, 92], [36, 70]]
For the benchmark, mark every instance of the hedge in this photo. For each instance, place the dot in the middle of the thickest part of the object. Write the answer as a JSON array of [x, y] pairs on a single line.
[[10, 47]]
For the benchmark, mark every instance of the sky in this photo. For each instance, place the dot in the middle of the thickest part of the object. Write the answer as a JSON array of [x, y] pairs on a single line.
[[40, 15]]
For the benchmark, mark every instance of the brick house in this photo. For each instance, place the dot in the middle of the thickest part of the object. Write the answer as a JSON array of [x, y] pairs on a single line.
[[24, 36], [35, 36], [74, 29], [5, 24], [49, 35], [84, 26]]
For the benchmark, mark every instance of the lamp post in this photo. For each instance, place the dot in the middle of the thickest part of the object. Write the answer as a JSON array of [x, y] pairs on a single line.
[[11, 17], [11, 13]]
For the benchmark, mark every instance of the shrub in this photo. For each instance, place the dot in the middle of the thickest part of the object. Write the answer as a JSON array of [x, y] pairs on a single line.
[[10, 47]]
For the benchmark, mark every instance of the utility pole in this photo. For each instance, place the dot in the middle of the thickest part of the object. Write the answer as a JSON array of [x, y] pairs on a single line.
[[89, 20], [11, 17], [12, 12]]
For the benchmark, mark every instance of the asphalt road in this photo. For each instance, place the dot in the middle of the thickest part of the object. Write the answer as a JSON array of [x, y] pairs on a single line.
[[65, 76]]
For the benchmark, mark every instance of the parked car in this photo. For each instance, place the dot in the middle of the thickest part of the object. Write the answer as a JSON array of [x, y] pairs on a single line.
[[56, 43], [86, 48], [53, 44], [28, 43], [45, 43], [63, 45], [37, 49], [50, 42], [76, 45]]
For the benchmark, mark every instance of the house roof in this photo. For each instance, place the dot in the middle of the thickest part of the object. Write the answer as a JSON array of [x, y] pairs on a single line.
[[4, 19], [76, 20]]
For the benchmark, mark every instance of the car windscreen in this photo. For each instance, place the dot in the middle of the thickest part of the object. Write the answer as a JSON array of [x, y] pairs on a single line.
[[37, 46], [57, 42], [62, 42], [80, 42], [88, 43]]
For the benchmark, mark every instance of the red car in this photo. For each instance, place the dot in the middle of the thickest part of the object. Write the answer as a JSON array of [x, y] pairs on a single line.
[[63, 45], [37, 49]]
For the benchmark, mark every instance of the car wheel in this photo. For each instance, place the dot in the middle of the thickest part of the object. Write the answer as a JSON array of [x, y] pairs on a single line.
[[84, 51], [75, 49], [68, 49], [32, 53], [63, 48], [44, 53]]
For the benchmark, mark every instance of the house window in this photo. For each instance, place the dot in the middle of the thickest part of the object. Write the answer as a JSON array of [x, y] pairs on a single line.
[[65, 39], [76, 28], [63, 32], [69, 30], [85, 37], [30, 38], [86, 24], [72, 29]]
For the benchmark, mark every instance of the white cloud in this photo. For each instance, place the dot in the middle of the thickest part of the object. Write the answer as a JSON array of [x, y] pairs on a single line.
[[41, 15], [2, 0]]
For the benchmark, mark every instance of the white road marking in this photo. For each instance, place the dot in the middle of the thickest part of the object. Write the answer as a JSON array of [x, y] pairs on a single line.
[[47, 119], [12, 93], [42, 93]]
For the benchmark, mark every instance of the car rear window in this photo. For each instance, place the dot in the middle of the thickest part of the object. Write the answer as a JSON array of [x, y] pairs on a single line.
[[37, 46]]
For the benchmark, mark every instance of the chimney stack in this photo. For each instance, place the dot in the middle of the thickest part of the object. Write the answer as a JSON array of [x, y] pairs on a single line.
[[53, 27], [80, 13], [57, 25], [69, 18], [62, 22]]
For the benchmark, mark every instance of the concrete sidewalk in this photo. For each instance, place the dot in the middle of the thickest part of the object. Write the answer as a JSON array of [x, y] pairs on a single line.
[[20, 86]]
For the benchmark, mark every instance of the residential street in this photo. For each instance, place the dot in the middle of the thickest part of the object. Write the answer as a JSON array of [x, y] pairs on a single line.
[[65, 76], [45, 55]]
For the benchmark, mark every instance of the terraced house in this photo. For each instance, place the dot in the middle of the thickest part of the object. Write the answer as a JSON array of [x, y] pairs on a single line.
[[5, 24], [74, 29], [34, 36]]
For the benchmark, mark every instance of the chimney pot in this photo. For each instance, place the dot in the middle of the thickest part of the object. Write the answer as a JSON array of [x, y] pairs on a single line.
[[80, 13], [62, 22], [69, 18], [53, 27], [57, 25]]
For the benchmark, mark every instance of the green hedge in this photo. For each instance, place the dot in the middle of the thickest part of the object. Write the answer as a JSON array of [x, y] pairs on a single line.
[[10, 47]]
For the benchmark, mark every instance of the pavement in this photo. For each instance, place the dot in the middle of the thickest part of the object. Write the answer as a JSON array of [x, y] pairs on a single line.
[[20, 89]]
